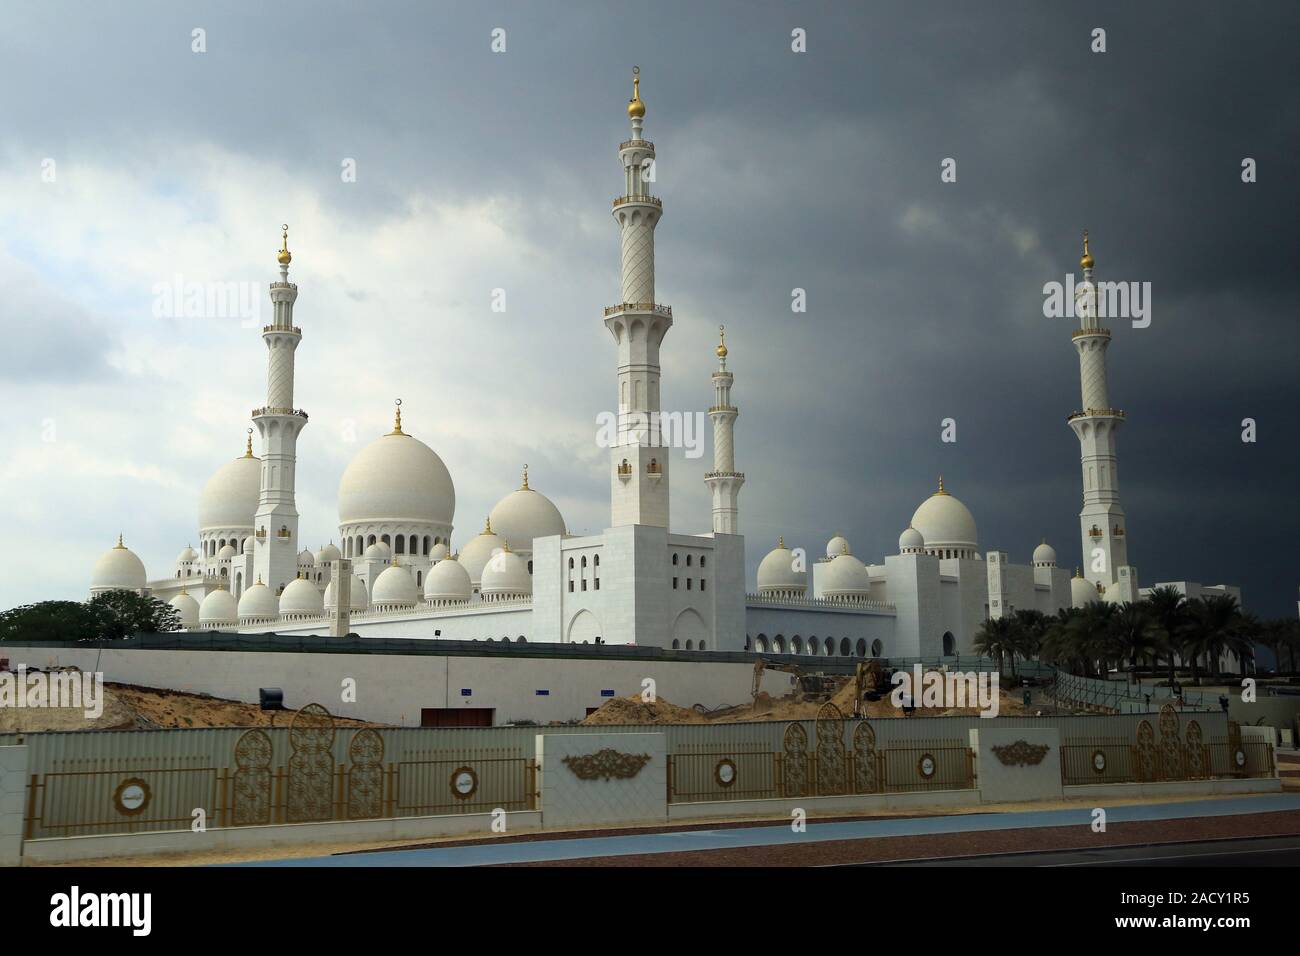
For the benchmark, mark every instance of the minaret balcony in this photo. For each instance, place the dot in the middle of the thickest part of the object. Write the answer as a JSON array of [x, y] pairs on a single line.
[[1097, 413], [722, 409], [281, 328], [638, 200], [1080, 333], [724, 474], [269, 410], [637, 144], [652, 307]]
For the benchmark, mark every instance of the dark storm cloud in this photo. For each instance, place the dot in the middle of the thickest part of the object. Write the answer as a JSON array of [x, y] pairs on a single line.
[[819, 171]]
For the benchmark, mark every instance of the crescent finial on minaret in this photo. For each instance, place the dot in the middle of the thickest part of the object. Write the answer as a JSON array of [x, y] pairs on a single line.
[[248, 445], [1086, 260], [722, 342], [635, 108], [284, 257]]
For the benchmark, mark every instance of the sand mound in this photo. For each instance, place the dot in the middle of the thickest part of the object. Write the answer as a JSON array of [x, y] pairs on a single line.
[[633, 710]]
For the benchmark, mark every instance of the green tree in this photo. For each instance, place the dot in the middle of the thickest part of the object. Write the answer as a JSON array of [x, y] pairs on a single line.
[[996, 638], [49, 621], [122, 614], [1133, 632], [1168, 610], [1210, 625]]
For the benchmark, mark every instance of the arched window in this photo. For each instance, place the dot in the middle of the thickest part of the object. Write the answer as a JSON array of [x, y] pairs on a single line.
[[949, 644], [674, 560], [570, 564], [876, 647], [760, 643], [384, 538], [701, 560], [426, 545], [690, 645], [830, 647], [688, 560], [861, 647], [596, 560], [419, 575], [400, 546], [370, 540], [845, 649], [778, 644], [796, 645], [530, 567], [676, 644], [701, 645]]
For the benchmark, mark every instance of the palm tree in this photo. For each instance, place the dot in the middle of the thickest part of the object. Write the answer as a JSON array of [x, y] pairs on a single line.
[[1058, 643], [1168, 610], [1031, 627], [1093, 629], [1134, 632], [996, 638], [1241, 642], [1211, 622]]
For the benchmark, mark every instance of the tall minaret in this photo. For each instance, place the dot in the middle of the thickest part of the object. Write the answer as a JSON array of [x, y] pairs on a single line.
[[1101, 522], [638, 459], [724, 481], [275, 549]]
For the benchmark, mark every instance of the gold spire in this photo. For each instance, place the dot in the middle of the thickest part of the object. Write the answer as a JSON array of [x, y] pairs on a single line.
[[524, 486], [722, 342], [284, 257], [940, 491], [1077, 574], [780, 542], [119, 546], [487, 525], [635, 108], [397, 423], [259, 579], [1086, 260], [248, 445]]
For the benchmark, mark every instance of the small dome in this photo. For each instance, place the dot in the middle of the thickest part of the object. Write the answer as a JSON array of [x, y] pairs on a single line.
[[911, 541], [1045, 555], [1083, 592], [776, 572], [836, 546], [377, 551], [226, 552], [394, 588], [246, 546], [944, 522], [118, 570], [229, 499], [846, 576], [447, 581], [306, 559], [506, 574], [188, 609], [219, 608], [258, 603], [301, 597], [187, 555], [526, 514], [358, 598], [327, 554], [437, 552], [480, 548]]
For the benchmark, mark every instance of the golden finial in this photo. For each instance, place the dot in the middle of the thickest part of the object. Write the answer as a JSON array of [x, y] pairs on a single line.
[[248, 445], [780, 542], [525, 487], [1086, 261], [505, 547], [284, 257], [941, 491], [487, 525], [259, 579], [119, 546], [635, 108], [397, 423], [1077, 574], [722, 342]]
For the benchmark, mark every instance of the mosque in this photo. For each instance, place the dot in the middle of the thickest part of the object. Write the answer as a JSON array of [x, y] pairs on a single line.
[[523, 577]]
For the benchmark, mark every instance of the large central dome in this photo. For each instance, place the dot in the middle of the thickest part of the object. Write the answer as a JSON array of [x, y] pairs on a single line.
[[230, 497], [524, 515], [397, 478], [946, 525]]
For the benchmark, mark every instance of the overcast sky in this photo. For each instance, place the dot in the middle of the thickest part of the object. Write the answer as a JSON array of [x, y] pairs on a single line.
[[478, 170]]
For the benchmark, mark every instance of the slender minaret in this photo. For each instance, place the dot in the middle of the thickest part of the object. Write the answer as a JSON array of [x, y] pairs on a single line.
[[1105, 554], [638, 458], [724, 481], [275, 549]]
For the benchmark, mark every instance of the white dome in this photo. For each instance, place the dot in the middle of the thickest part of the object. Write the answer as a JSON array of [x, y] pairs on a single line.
[[377, 551], [327, 554], [395, 586], [358, 595], [306, 559], [437, 552], [506, 573], [525, 514], [1083, 592], [846, 576], [945, 522], [447, 581], [258, 602], [188, 608], [246, 546], [836, 546], [219, 608], [118, 570], [476, 553], [1045, 554], [910, 541], [229, 499], [776, 572], [226, 552], [397, 478], [301, 597], [187, 555]]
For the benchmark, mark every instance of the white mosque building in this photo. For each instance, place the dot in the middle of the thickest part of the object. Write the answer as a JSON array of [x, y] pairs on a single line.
[[523, 577]]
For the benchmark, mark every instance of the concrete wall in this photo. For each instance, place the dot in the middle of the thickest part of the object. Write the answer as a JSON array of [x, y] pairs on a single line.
[[1005, 780], [570, 800], [13, 793]]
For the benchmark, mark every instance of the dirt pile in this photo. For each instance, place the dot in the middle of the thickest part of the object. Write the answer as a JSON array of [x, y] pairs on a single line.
[[633, 710]]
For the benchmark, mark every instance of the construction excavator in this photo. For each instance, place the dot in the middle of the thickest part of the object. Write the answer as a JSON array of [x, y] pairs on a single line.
[[869, 682]]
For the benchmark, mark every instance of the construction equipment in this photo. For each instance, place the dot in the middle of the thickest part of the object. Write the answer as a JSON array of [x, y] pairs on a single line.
[[868, 679], [807, 687]]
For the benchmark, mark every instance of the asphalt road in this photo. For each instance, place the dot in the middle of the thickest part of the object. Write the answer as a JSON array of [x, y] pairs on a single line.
[[1266, 851]]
